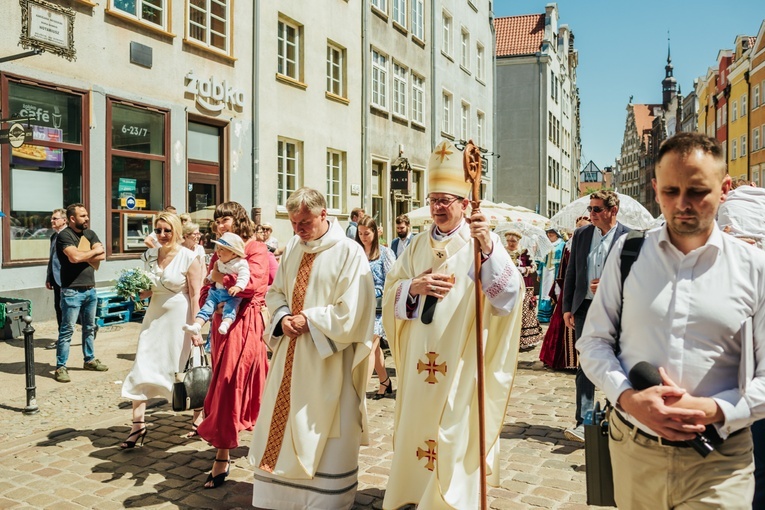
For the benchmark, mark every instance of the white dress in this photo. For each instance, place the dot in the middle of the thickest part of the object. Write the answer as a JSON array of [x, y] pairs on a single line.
[[163, 347]]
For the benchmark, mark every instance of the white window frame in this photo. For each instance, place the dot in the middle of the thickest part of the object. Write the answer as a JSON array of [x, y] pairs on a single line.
[[379, 80], [479, 55], [400, 87], [418, 99], [734, 111], [733, 149], [465, 121], [447, 29], [335, 174], [284, 42], [139, 10], [465, 48], [743, 145], [480, 119], [206, 26], [283, 159], [755, 96], [399, 12], [418, 19], [447, 123], [743, 105], [756, 139], [380, 5], [335, 62]]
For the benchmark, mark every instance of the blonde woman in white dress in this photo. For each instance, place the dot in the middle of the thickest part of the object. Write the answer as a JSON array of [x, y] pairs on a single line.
[[163, 347]]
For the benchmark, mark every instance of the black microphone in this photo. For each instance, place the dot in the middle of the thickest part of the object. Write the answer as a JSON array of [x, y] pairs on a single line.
[[428, 309], [643, 376]]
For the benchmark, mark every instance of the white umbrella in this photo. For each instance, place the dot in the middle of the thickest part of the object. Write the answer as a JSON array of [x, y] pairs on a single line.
[[495, 213], [534, 238], [631, 213]]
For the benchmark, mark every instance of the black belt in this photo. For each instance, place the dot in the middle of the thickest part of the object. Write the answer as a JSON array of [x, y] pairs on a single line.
[[83, 288], [710, 433]]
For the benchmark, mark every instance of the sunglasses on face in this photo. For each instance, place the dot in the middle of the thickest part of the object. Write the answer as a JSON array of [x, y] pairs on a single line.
[[159, 231], [596, 209]]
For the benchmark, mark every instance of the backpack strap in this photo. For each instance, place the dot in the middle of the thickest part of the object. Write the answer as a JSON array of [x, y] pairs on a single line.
[[628, 256]]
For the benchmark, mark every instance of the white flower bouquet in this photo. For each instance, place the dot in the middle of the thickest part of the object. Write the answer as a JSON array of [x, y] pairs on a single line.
[[130, 283]]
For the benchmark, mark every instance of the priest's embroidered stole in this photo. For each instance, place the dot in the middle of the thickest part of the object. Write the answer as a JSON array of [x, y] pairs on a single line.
[[282, 405]]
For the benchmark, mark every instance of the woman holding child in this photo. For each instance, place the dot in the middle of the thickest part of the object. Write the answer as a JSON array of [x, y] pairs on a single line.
[[238, 357]]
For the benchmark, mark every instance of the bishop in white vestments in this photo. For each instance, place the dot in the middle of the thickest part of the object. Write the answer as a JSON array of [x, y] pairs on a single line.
[[429, 318], [305, 445]]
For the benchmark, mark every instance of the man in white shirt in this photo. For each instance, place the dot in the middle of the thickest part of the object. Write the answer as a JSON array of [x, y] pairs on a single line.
[[687, 304]]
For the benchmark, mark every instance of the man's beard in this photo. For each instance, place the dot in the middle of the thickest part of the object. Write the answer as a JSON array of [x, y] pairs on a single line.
[[402, 235], [81, 226]]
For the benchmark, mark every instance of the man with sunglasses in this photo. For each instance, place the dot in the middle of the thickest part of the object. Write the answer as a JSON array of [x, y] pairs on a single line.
[[79, 250], [53, 276], [590, 247], [429, 318]]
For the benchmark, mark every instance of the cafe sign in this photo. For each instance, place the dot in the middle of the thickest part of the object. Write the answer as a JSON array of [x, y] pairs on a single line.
[[213, 94], [48, 27]]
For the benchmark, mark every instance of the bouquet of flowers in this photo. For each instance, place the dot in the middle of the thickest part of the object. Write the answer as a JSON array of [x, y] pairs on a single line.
[[130, 284]]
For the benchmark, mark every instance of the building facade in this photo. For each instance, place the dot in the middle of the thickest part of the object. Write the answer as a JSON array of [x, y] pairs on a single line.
[[154, 109], [756, 115], [738, 122], [537, 109]]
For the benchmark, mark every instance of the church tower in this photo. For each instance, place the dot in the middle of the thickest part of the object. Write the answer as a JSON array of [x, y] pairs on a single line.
[[668, 84]]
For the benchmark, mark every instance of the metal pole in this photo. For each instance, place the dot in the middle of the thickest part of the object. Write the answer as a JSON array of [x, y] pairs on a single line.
[[29, 366]]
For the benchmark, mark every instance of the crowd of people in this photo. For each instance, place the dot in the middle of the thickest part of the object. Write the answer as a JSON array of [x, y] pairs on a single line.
[[297, 331]]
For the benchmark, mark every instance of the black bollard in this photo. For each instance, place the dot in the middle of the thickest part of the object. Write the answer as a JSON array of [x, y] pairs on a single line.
[[29, 365]]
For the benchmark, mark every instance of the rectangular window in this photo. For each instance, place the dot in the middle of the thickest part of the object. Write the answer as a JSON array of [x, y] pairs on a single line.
[[418, 20], [744, 109], [138, 167], [418, 99], [465, 49], [734, 111], [479, 72], [379, 80], [465, 121], [288, 163], [724, 110], [288, 54], [335, 70], [743, 145], [208, 23], [149, 11], [335, 177], [446, 33], [399, 12], [47, 173], [734, 149], [756, 139], [400, 87], [479, 129], [552, 84], [446, 122], [381, 5], [756, 96]]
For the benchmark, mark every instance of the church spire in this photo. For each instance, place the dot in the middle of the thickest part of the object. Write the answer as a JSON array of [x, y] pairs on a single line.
[[668, 84]]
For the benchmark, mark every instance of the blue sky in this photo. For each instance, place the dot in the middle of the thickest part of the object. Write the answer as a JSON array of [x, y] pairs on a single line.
[[623, 49]]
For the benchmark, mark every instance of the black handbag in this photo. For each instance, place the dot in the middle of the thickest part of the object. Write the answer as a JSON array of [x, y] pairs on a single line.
[[597, 459], [191, 385], [378, 305]]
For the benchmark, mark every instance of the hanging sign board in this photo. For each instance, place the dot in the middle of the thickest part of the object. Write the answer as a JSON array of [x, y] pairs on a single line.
[[16, 135], [48, 27]]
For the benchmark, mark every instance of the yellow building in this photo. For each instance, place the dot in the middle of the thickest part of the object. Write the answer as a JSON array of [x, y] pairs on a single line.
[[738, 109], [757, 111], [705, 91]]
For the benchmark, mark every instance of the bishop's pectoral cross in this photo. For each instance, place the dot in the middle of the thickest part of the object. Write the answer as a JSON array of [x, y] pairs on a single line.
[[431, 367], [429, 454]]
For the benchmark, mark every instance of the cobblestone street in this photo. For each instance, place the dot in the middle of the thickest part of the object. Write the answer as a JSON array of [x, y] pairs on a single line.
[[67, 455]]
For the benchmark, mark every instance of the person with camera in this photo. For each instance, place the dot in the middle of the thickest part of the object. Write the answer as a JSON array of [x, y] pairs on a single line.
[[691, 312]]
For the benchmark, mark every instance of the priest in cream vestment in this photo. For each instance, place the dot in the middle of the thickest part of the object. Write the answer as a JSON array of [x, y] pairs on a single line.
[[305, 445], [435, 443]]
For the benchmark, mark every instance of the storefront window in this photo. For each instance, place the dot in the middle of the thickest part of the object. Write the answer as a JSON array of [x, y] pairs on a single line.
[[137, 174], [45, 174]]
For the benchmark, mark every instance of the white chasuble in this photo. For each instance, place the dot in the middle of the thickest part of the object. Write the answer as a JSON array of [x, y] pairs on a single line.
[[435, 444], [317, 462]]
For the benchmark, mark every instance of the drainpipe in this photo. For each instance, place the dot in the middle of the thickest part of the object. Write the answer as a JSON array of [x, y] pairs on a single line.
[[365, 166], [542, 138], [748, 127], [434, 127], [494, 145], [255, 213]]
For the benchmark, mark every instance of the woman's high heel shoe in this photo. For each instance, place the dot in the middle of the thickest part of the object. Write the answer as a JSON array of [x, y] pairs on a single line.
[[139, 434], [219, 479], [388, 385]]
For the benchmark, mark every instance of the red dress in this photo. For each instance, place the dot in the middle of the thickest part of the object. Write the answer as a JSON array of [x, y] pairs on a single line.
[[238, 358], [558, 350]]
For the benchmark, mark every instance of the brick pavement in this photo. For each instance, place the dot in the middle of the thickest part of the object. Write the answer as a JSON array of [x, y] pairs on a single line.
[[67, 455]]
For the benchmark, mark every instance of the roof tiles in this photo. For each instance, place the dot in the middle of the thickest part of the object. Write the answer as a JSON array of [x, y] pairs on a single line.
[[519, 35]]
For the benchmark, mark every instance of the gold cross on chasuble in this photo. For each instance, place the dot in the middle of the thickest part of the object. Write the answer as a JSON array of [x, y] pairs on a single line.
[[429, 454], [282, 406], [431, 367]]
